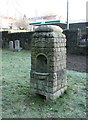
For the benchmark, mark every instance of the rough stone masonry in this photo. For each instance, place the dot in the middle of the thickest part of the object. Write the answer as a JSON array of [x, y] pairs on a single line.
[[48, 62]]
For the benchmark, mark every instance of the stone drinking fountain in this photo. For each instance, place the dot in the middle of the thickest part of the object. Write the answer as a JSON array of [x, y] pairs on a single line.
[[48, 62]]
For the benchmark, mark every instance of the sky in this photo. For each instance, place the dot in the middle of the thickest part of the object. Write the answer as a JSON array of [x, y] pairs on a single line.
[[32, 8]]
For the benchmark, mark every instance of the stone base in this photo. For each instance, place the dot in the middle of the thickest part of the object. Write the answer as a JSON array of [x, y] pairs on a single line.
[[49, 96], [12, 49], [18, 49], [57, 94]]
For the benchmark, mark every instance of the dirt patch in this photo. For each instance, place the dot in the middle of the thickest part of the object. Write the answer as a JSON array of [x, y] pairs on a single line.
[[76, 63]]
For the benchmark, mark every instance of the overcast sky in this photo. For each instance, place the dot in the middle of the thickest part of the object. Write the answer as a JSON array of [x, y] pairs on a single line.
[[32, 8]]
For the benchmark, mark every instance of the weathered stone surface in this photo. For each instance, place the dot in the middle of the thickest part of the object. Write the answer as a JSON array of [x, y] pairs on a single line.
[[11, 47], [48, 62], [44, 28], [17, 45]]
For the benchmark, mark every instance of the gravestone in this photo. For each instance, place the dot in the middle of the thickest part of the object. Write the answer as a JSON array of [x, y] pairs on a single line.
[[11, 47], [48, 62], [17, 45]]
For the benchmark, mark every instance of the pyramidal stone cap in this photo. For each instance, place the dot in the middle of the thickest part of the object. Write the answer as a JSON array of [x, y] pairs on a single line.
[[48, 31], [48, 28], [44, 28]]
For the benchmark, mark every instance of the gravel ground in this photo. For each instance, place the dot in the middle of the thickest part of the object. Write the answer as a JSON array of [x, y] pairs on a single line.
[[76, 63]]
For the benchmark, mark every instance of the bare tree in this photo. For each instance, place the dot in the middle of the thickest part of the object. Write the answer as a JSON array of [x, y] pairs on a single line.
[[22, 23]]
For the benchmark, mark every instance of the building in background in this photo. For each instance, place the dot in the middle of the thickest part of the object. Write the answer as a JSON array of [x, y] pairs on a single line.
[[41, 19], [45, 17], [7, 22]]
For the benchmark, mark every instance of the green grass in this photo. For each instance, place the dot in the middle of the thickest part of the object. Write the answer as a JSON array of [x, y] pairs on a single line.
[[17, 102]]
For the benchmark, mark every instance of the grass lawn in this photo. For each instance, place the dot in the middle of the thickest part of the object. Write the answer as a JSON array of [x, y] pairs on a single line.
[[17, 102]]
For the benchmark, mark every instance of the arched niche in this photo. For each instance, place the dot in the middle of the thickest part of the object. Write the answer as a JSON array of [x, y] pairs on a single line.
[[41, 63]]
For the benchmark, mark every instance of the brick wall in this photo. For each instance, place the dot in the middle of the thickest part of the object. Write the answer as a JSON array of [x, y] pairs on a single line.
[[24, 37], [73, 39]]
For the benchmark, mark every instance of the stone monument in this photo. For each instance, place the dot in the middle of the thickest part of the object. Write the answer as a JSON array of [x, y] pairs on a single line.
[[11, 47], [48, 62], [17, 45]]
